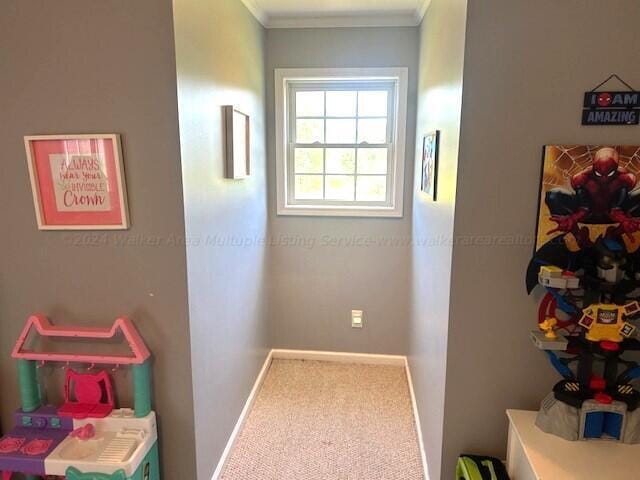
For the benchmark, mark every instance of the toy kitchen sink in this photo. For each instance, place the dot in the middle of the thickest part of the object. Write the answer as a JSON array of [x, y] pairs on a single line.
[[117, 443], [85, 438]]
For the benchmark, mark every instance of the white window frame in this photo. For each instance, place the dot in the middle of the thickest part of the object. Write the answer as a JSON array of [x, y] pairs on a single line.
[[284, 78]]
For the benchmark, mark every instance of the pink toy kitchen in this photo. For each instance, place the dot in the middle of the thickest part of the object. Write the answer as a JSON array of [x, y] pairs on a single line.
[[88, 436]]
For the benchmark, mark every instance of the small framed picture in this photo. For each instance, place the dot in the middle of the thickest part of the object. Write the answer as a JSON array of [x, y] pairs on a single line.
[[430, 147], [77, 182], [237, 143]]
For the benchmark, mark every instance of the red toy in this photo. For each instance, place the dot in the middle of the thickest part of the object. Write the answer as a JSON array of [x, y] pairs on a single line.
[[93, 395]]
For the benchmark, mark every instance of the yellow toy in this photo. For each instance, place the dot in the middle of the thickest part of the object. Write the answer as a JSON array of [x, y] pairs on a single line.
[[548, 327], [606, 321]]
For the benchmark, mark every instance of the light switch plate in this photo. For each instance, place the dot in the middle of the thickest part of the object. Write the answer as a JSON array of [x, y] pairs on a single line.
[[356, 319]]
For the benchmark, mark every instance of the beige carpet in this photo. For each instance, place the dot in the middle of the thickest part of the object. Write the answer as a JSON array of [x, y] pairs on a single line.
[[325, 420]]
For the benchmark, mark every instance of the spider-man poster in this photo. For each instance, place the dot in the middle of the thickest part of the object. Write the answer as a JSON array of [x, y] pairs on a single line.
[[588, 189]]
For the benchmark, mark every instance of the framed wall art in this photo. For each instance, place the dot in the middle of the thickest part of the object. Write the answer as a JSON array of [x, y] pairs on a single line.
[[586, 190], [237, 143], [77, 182], [430, 147]]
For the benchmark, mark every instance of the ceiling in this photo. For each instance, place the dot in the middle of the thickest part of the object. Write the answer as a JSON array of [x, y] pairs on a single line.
[[337, 13]]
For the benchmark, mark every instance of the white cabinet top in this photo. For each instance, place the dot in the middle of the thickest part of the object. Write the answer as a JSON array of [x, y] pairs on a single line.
[[553, 458]]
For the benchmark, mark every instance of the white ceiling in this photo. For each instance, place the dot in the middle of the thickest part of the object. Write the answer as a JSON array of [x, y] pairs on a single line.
[[337, 13]]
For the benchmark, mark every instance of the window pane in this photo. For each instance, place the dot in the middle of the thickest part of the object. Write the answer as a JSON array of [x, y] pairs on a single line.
[[340, 187], [372, 130], [341, 104], [310, 104], [372, 189], [308, 187], [309, 131], [341, 160], [372, 160], [341, 131], [372, 104], [308, 160]]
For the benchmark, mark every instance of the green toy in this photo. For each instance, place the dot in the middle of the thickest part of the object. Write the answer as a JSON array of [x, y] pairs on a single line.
[[473, 467]]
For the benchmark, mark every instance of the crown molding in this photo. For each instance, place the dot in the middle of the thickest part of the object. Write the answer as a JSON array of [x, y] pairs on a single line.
[[337, 21], [421, 12], [256, 11], [305, 21]]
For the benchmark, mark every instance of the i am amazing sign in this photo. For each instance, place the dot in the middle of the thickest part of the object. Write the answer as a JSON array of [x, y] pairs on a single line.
[[611, 108]]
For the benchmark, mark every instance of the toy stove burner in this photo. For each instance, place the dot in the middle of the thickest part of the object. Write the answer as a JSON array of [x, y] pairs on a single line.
[[36, 447], [11, 444]]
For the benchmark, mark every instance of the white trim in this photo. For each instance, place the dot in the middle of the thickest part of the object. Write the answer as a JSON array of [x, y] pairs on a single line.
[[416, 417], [336, 211], [284, 75], [340, 21], [421, 11], [243, 416], [257, 11], [381, 19], [341, 357]]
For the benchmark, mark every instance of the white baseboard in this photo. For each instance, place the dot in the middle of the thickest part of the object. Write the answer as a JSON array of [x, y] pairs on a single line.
[[342, 357], [243, 416], [416, 417]]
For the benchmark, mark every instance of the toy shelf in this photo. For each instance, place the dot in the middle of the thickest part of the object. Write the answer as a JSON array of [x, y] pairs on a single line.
[[533, 454], [44, 328]]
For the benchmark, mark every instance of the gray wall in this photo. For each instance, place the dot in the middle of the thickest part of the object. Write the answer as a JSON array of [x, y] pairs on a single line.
[[442, 39], [101, 67], [314, 285], [527, 67], [527, 64], [219, 52]]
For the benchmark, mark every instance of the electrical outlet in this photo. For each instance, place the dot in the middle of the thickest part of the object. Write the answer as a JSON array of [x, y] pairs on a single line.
[[356, 319]]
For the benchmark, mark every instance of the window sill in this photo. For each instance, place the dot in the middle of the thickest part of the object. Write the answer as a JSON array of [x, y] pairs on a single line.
[[332, 211]]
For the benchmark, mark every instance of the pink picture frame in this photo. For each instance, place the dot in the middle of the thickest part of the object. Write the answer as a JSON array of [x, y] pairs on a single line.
[[77, 182]]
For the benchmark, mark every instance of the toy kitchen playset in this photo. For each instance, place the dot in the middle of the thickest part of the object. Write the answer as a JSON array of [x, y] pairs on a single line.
[[86, 438]]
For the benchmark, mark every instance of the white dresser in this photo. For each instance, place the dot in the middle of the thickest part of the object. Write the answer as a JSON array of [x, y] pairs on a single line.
[[535, 455]]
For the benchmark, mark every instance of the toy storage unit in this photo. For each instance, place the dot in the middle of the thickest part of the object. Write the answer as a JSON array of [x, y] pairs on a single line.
[[533, 454], [86, 438], [585, 328]]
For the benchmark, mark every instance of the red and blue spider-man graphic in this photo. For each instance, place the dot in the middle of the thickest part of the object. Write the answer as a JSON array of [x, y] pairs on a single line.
[[604, 193]]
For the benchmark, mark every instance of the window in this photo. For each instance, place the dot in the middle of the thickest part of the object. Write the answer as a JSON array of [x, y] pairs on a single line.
[[340, 141]]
